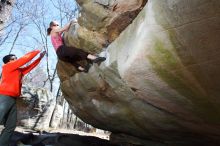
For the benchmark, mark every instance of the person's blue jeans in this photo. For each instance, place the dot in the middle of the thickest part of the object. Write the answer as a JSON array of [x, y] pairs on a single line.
[[8, 118]]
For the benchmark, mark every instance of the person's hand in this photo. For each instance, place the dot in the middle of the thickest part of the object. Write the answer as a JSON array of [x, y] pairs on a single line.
[[73, 21], [41, 48], [42, 54]]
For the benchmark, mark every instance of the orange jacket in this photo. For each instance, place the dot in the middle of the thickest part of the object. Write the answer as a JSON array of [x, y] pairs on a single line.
[[12, 74]]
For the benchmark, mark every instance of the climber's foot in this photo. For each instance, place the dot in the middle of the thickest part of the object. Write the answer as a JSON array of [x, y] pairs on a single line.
[[87, 67], [99, 59], [82, 69]]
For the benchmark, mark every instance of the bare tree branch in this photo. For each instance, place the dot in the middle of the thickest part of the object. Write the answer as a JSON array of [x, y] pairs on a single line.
[[16, 37], [6, 37]]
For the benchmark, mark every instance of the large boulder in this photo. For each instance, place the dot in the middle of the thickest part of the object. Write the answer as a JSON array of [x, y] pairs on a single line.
[[160, 81]]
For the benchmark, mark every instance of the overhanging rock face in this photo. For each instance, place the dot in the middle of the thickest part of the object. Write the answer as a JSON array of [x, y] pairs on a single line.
[[101, 22], [160, 81]]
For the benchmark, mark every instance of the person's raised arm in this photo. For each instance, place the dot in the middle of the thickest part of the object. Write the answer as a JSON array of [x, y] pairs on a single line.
[[28, 68], [12, 65], [61, 30], [65, 28]]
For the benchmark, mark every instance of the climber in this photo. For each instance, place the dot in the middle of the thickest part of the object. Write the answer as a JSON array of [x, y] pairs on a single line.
[[70, 54], [10, 90]]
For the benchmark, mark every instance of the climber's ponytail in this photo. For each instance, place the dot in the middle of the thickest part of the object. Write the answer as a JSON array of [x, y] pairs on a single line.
[[49, 31]]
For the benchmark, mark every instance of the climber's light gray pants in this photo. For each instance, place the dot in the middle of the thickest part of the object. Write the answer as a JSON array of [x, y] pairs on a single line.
[[8, 117]]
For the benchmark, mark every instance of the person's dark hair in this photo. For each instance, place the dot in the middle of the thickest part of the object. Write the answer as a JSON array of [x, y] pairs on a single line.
[[7, 58], [50, 29]]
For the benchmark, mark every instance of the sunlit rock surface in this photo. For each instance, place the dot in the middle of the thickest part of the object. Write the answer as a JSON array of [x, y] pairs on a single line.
[[160, 82], [35, 108], [38, 110]]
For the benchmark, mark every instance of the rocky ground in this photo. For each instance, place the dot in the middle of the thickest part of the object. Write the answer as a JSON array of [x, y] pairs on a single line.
[[24, 137]]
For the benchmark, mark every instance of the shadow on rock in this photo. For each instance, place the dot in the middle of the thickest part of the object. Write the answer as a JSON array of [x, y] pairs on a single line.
[[56, 139]]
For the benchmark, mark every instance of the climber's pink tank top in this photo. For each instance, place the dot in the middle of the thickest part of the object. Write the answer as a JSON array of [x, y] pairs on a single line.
[[57, 41]]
